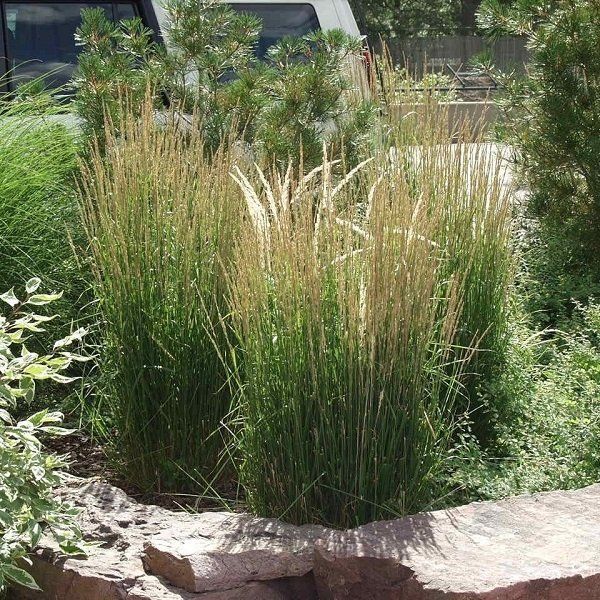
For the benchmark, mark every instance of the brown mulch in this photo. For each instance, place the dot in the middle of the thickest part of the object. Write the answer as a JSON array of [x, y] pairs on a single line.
[[86, 456], [89, 459]]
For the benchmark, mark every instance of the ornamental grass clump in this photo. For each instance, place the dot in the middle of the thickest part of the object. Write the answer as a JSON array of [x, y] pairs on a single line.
[[469, 185], [161, 218], [38, 210], [469, 190], [350, 309]]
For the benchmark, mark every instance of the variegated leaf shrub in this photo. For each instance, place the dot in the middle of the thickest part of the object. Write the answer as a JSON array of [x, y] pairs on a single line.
[[28, 474]]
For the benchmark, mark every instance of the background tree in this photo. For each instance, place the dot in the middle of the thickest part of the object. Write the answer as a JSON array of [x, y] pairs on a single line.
[[282, 107], [409, 18], [467, 16], [553, 118]]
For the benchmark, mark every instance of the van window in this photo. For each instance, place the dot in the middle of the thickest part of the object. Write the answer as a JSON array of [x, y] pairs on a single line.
[[124, 11], [279, 21], [40, 37]]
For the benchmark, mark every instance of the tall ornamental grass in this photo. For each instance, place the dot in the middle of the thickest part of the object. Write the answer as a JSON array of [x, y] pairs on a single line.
[[160, 216], [469, 188], [468, 177], [38, 210], [358, 307]]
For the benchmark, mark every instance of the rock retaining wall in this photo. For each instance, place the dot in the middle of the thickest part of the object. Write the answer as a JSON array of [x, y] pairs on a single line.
[[542, 547]]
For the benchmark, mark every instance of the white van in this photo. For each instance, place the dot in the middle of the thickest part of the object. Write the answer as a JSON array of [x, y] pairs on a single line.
[[37, 37]]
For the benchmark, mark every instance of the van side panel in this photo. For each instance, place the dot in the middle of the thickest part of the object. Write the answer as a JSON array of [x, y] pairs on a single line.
[[150, 18], [160, 17], [332, 14], [346, 17]]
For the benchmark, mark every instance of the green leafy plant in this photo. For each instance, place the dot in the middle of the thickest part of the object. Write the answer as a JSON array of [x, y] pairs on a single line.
[[555, 278], [28, 475], [406, 18], [549, 425]]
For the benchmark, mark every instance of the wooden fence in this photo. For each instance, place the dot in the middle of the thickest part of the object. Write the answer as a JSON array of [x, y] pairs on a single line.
[[433, 54]]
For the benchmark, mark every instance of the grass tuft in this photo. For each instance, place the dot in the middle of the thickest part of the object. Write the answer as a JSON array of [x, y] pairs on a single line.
[[161, 217], [357, 307], [38, 211]]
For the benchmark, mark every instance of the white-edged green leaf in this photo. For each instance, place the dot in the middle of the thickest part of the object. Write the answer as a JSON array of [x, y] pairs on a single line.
[[28, 387], [28, 326], [25, 425], [76, 357], [72, 548], [43, 318], [62, 378], [15, 336], [38, 472], [38, 371], [8, 393], [5, 518], [10, 298], [19, 576], [33, 284], [38, 418], [44, 418], [60, 431], [36, 534], [42, 299], [26, 438], [76, 336]]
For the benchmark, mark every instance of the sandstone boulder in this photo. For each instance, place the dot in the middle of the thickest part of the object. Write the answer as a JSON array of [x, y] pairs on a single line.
[[222, 551], [541, 547], [114, 570]]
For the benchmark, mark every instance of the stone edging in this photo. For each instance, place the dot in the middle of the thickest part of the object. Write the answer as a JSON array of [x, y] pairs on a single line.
[[542, 547]]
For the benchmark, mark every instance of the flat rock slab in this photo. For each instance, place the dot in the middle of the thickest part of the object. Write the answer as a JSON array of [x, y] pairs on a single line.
[[541, 547], [222, 551], [114, 570]]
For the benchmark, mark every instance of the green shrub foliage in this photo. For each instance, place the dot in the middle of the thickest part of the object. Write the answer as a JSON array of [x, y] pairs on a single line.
[[401, 19], [548, 402], [118, 63], [28, 475], [283, 107], [554, 122]]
